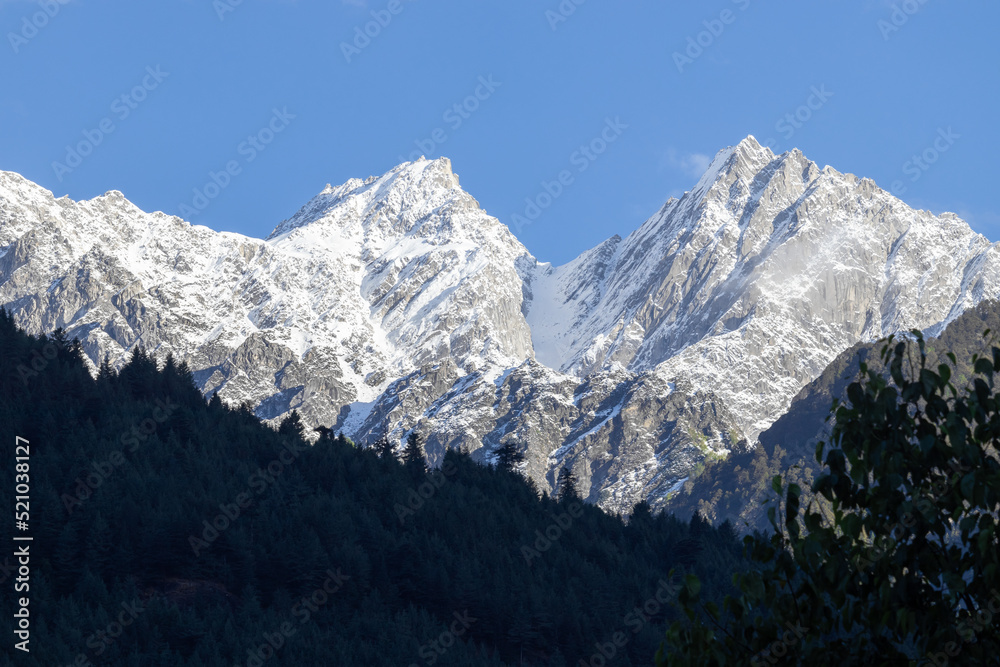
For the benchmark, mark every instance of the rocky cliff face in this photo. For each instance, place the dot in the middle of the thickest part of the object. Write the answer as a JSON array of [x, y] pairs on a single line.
[[751, 283], [397, 303]]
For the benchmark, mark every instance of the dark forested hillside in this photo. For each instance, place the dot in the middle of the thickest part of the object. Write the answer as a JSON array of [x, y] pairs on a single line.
[[170, 531], [892, 556], [738, 488]]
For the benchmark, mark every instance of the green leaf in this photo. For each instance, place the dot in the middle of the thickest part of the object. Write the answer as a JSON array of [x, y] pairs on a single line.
[[793, 529], [692, 584], [890, 459], [792, 504], [851, 525], [968, 482]]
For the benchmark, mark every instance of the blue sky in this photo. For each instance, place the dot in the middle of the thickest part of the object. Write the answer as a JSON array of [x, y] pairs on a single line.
[[171, 92]]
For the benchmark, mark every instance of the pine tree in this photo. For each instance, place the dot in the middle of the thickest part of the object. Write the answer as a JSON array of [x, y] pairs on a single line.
[[163, 527], [140, 374], [566, 485], [98, 546], [641, 514], [105, 373], [413, 452], [509, 456], [59, 339], [383, 447], [292, 425]]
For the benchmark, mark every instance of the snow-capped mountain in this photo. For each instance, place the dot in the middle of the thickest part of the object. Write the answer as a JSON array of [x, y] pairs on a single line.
[[397, 303], [753, 281]]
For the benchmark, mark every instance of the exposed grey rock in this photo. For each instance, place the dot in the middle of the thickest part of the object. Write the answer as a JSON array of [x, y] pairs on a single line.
[[396, 303]]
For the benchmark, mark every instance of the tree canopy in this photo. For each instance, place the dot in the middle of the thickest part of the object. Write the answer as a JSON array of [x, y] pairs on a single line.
[[904, 568], [216, 531]]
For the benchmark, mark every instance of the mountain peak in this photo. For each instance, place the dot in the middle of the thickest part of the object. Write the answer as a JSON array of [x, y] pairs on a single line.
[[745, 159], [395, 302], [749, 155], [422, 184], [750, 143]]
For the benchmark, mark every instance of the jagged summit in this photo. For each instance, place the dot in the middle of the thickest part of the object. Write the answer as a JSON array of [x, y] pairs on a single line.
[[417, 187], [746, 159], [757, 273], [397, 303]]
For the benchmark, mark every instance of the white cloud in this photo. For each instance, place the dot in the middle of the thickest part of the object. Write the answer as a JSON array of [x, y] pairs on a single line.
[[692, 164]]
